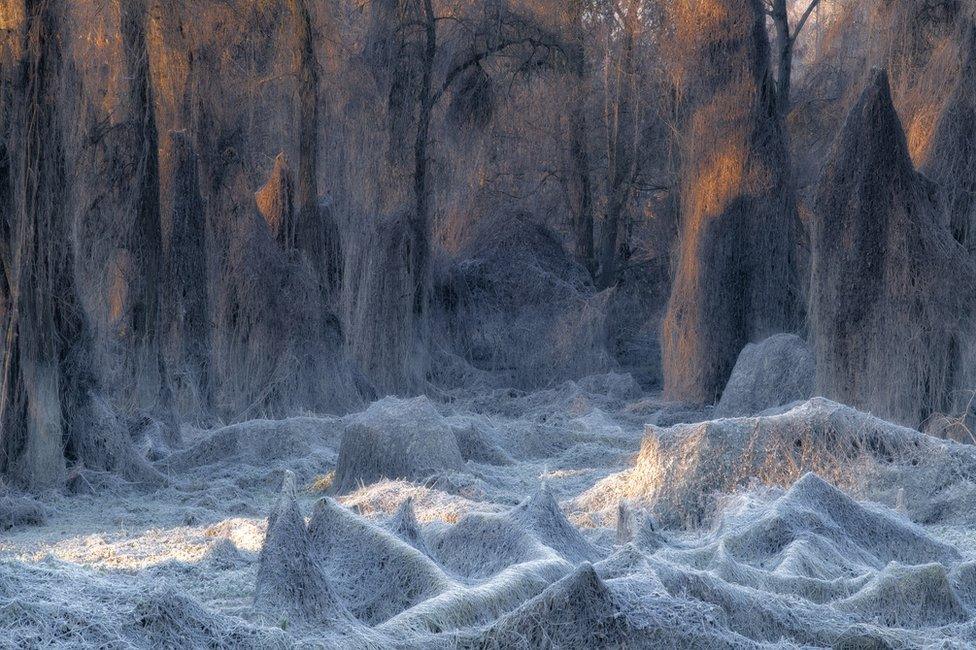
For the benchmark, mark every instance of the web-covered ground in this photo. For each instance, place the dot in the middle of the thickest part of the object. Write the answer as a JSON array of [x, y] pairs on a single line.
[[582, 516]]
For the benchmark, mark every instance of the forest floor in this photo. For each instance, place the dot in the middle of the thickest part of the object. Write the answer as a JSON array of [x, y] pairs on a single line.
[[774, 567]]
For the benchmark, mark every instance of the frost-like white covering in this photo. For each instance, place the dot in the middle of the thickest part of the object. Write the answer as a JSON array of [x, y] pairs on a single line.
[[680, 471], [776, 371], [395, 439], [566, 524]]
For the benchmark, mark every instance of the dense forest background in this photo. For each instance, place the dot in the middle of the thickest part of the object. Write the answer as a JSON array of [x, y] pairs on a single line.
[[216, 210]]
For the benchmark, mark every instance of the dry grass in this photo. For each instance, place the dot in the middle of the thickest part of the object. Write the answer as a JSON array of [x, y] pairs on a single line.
[[321, 484]]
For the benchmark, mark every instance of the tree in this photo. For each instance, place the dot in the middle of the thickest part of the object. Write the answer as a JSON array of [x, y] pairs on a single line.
[[308, 117], [43, 318], [736, 279], [142, 177], [891, 289], [786, 37], [46, 381], [581, 189], [622, 39], [623, 130], [416, 42], [186, 307], [314, 232]]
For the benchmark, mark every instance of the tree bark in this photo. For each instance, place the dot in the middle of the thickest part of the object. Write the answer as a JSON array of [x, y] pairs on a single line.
[[785, 42], [187, 309]]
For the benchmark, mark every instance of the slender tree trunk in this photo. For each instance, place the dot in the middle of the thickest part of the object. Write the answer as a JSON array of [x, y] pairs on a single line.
[[308, 84], [785, 42], [183, 366], [579, 147], [187, 303], [784, 51], [620, 157], [11, 40], [147, 239], [420, 219]]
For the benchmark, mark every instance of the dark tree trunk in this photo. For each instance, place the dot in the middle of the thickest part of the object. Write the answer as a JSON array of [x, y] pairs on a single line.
[[420, 220], [43, 363], [308, 102], [315, 234], [784, 52], [146, 240], [582, 189], [621, 156], [185, 299], [11, 40]]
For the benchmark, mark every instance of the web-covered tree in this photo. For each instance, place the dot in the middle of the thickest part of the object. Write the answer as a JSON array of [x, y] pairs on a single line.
[[429, 53], [891, 289], [116, 204], [579, 183], [439, 67], [736, 279], [143, 169], [49, 405], [314, 232], [43, 320]]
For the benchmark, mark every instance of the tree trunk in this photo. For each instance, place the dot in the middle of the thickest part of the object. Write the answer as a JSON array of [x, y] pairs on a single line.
[[737, 279], [784, 50], [621, 157], [186, 301], [146, 240], [420, 219], [308, 121], [11, 41], [42, 367], [582, 192], [315, 234]]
